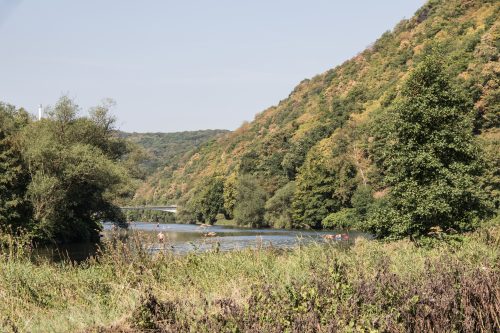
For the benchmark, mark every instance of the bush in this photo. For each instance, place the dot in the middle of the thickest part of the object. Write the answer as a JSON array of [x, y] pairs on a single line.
[[346, 218]]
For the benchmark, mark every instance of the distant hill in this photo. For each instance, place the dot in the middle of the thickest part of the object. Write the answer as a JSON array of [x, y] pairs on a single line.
[[330, 123], [165, 150]]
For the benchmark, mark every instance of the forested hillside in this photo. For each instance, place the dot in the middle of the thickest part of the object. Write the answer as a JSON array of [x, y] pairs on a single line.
[[323, 154], [165, 149]]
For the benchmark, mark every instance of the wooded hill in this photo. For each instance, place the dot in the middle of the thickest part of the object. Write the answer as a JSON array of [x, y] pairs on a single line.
[[162, 151], [325, 144]]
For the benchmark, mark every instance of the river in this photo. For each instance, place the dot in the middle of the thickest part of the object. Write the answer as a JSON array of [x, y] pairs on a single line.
[[184, 238]]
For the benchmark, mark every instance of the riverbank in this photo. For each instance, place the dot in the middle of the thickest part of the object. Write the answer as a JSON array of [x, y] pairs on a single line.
[[391, 287]]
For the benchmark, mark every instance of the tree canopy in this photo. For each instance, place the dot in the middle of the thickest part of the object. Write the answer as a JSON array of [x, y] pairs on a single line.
[[434, 165], [65, 169]]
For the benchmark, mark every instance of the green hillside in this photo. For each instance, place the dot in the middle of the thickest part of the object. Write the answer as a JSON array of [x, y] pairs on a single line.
[[323, 149], [163, 149]]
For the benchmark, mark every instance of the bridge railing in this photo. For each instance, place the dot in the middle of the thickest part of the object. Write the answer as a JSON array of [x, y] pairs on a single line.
[[169, 208]]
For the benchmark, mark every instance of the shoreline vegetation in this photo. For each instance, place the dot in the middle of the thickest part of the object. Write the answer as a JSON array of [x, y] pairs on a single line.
[[372, 286]]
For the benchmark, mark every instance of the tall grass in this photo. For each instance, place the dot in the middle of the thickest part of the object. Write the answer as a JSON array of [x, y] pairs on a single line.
[[369, 287]]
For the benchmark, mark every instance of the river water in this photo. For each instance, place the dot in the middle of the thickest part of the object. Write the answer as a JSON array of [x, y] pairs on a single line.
[[184, 238]]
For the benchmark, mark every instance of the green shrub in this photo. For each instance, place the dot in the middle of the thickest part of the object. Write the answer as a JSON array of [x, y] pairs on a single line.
[[346, 218]]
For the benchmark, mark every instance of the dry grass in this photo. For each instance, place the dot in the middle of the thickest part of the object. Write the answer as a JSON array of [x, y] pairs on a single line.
[[370, 287]]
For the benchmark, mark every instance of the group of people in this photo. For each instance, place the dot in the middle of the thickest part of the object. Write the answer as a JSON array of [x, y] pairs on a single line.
[[336, 237]]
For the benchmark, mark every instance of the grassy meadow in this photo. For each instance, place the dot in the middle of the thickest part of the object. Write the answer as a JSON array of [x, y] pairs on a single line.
[[371, 286]]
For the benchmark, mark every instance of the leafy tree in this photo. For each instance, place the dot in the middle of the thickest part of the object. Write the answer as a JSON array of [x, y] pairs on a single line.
[[251, 199], [249, 162], [313, 199], [434, 166], [147, 215], [212, 199], [279, 207], [296, 155], [64, 113], [189, 209], [14, 209], [491, 178], [205, 203], [74, 178], [362, 200], [324, 185], [230, 196]]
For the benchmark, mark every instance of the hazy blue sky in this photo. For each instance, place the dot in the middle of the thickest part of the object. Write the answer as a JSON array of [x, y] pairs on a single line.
[[180, 65]]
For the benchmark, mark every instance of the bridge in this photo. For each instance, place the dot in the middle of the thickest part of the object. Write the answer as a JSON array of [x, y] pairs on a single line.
[[171, 208]]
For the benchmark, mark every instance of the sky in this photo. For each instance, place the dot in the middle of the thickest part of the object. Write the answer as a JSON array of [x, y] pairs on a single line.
[[180, 65]]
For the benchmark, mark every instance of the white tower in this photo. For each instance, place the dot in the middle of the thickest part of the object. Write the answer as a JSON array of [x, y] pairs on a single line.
[[40, 112]]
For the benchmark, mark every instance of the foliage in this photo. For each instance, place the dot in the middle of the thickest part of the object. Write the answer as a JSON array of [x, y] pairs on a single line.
[[313, 199], [64, 172], [148, 215], [251, 199], [230, 196], [15, 210], [279, 207], [164, 150], [491, 180], [362, 201], [206, 202], [212, 199], [435, 163], [325, 184], [345, 218]]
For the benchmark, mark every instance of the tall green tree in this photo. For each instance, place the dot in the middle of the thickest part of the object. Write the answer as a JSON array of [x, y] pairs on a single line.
[[15, 211], [313, 199], [74, 176], [325, 183], [251, 199], [205, 202], [279, 207], [434, 161], [230, 195], [212, 199]]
